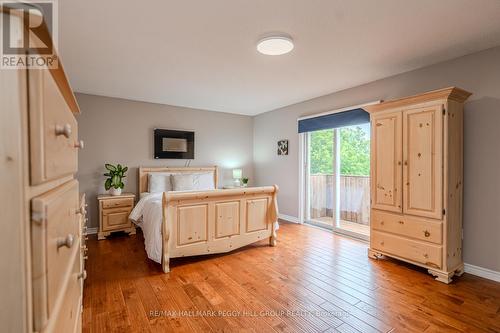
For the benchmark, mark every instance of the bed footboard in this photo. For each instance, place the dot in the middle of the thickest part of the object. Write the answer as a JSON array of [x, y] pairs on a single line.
[[217, 221]]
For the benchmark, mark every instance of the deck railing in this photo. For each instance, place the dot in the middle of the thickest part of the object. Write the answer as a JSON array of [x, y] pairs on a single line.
[[354, 197]]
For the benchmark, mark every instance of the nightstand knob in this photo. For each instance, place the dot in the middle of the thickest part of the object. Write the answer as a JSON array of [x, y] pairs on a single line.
[[426, 233], [67, 241], [63, 130]]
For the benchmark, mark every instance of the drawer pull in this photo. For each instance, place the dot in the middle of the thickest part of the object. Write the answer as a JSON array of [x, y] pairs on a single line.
[[427, 233], [426, 256], [67, 241], [401, 222], [79, 144], [382, 243], [381, 222], [63, 130], [83, 275], [80, 210]]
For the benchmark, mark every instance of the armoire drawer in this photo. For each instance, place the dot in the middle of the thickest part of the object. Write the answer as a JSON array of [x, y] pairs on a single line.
[[55, 240], [53, 130], [424, 229], [424, 253]]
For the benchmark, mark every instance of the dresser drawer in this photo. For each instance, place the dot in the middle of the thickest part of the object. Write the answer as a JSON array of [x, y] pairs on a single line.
[[53, 130], [424, 253], [68, 317], [424, 229], [121, 202], [55, 240]]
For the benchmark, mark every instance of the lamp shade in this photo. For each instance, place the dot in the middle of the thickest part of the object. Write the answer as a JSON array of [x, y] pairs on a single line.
[[237, 173]]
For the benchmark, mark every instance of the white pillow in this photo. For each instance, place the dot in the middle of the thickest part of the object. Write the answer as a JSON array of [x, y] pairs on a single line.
[[159, 182], [203, 181], [182, 182]]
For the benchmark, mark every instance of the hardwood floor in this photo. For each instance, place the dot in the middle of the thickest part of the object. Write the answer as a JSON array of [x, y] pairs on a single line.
[[312, 281]]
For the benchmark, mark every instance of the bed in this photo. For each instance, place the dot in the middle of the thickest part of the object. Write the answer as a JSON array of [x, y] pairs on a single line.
[[182, 221]]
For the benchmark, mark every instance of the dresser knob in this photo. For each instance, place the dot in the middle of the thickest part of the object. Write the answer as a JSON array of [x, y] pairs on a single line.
[[82, 275], [63, 130], [401, 222], [426, 233], [80, 210], [67, 241], [426, 256], [382, 243], [79, 144]]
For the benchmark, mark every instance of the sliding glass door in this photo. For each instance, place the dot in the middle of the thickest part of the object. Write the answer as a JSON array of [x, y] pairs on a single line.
[[338, 179]]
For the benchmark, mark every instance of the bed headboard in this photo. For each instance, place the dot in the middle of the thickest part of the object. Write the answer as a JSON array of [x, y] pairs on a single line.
[[143, 174]]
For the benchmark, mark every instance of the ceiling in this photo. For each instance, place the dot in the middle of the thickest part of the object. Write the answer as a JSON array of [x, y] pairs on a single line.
[[202, 54]]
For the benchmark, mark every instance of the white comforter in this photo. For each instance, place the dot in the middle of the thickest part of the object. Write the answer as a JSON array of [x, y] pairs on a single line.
[[148, 216]]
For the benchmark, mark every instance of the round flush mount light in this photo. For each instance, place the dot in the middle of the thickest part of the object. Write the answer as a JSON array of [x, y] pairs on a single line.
[[275, 45]]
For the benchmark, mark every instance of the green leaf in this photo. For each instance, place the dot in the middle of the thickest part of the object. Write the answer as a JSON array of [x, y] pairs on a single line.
[[125, 170], [107, 174], [110, 167], [119, 167], [122, 185], [115, 180], [107, 184]]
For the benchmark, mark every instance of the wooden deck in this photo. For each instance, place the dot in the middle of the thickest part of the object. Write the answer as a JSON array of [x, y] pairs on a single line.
[[326, 280], [346, 225]]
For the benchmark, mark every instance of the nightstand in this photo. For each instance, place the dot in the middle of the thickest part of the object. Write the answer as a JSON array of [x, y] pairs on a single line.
[[113, 214]]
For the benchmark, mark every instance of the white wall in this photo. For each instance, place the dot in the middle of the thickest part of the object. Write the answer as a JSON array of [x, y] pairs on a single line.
[[121, 131], [478, 73]]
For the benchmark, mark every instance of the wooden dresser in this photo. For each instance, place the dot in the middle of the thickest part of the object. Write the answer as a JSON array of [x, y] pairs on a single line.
[[44, 216], [417, 181]]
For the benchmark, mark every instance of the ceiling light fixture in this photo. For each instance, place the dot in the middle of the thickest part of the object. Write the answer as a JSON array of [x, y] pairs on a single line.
[[275, 45]]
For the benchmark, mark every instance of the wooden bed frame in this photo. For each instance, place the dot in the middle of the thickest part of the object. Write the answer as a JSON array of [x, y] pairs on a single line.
[[213, 221]]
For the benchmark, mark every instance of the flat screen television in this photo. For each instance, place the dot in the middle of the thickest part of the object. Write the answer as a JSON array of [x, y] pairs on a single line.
[[173, 144]]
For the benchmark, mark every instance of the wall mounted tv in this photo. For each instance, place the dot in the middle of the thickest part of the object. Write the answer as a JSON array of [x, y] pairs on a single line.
[[173, 144]]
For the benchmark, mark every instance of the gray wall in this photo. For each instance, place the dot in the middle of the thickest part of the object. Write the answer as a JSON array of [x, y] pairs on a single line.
[[121, 131], [478, 73]]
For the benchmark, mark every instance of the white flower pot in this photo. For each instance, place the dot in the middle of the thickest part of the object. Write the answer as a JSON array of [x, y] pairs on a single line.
[[115, 191]]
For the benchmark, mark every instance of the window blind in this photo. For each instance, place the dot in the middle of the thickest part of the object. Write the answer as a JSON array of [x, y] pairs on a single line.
[[334, 120]]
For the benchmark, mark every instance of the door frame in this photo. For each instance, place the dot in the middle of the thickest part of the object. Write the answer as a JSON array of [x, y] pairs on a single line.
[[304, 171]]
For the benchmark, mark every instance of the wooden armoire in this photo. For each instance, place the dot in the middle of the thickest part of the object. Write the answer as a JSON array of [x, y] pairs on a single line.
[[42, 240], [417, 180]]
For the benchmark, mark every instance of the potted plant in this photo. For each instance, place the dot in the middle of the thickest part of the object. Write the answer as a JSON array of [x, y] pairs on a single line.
[[114, 183], [244, 181]]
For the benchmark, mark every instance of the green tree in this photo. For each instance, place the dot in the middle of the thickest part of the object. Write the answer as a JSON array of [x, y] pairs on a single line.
[[354, 151], [321, 152]]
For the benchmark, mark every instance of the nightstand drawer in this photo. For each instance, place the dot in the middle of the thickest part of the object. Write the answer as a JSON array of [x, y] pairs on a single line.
[[115, 218], [119, 202]]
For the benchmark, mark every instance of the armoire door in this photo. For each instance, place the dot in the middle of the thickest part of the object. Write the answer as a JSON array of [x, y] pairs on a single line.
[[423, 161], [387, 161]]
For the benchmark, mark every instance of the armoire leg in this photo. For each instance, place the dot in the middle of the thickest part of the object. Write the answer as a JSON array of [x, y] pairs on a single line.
[[441, 277], [374, 254]]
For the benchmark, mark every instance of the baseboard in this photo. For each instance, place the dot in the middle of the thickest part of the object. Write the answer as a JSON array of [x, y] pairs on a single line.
[[91, 231], [289, 218], [482, 272]]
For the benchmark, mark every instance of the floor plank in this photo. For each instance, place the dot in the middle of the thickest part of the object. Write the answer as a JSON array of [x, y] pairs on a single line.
[[312, 281]]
